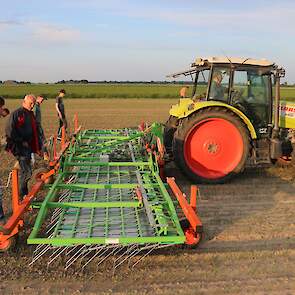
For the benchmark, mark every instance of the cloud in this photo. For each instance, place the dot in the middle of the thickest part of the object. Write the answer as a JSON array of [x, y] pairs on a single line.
[[45, 32], [266, 19], [225, 15], [52, 33], [5, 24], [9, 23]]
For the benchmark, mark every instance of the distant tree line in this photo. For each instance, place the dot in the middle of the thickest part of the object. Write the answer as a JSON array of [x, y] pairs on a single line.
[[14, 82], [121, 82], [84, 81]]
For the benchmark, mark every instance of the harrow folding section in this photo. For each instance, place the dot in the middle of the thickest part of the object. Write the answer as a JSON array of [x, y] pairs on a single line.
[[107, 192]]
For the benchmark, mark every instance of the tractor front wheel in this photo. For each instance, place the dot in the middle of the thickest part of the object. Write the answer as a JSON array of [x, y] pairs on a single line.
[[211, 145]]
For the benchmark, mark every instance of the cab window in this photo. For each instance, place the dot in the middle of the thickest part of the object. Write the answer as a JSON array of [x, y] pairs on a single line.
[[201, 85], [219, 84], [250, 93]]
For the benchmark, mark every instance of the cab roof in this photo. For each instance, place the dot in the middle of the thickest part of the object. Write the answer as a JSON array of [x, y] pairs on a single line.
[[205, 62], [232, 60]]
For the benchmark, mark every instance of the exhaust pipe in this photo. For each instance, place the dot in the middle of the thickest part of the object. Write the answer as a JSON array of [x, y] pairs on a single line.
[[276, 144]]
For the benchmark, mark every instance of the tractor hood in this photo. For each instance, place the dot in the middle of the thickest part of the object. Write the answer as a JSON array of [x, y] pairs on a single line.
[[287, 114]]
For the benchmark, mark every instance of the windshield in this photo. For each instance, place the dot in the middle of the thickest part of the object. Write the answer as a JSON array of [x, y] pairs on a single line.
[[200, 87]]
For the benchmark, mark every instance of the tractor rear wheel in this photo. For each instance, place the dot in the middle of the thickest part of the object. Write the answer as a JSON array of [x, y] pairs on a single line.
[[211, 145]]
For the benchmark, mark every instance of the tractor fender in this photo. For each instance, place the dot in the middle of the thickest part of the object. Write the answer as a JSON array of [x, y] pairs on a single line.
[[186, 107]]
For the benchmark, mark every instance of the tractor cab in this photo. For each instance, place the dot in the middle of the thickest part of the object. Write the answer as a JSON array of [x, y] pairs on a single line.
[[245, 84]]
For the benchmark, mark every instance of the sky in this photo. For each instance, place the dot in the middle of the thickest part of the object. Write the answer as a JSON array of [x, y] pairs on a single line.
[[47, 41]]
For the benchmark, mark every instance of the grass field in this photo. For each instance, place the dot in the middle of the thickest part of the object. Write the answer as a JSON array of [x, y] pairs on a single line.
[[109, 91], [94, 90], [101, 113]]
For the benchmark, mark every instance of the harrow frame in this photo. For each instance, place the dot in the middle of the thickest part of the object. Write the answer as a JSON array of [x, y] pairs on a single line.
[[108, 195]]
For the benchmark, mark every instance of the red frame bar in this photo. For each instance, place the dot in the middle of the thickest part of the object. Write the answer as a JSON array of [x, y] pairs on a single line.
[[187, 209], [138, 194], [63, 137], [15, 190], [76, 124], [54, 147], [193, 198], [14, 219]]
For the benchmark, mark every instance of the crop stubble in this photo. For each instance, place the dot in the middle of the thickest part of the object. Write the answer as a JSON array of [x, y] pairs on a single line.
[[249, 244]]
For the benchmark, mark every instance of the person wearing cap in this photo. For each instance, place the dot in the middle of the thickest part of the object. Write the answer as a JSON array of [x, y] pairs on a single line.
[[3, 113], [60, 108], [22, 139], [42, 138]]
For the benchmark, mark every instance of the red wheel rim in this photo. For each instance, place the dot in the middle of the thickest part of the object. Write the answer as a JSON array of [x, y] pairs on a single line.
[[213, 148]]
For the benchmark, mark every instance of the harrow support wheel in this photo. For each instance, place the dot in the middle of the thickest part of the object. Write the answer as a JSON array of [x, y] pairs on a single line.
[[211, 145], [8, 244], [192, 238], [38, 173]]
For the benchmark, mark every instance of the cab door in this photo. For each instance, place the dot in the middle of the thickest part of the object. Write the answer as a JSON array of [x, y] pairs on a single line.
[[251, 93]]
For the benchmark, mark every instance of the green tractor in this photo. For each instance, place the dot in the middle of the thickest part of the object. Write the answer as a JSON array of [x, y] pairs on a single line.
[[232, 118]]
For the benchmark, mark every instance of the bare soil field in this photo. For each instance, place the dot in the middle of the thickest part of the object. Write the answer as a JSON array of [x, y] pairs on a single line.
[[249, 223]]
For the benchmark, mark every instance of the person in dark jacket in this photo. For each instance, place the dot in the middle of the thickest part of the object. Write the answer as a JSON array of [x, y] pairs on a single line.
[[60, 108], [22, 139], [42, 139], [3, 113]]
